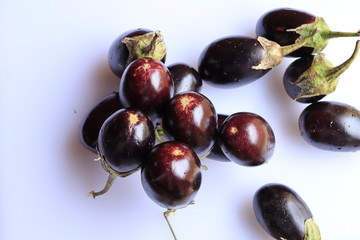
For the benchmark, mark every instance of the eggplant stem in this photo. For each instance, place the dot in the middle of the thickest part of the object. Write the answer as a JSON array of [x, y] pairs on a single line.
[[159, 132], [205, 155], [286, 50], [148, 49], [334, 34], [274, 53], [111, 179], [338, 70], [172, 212], [166, 215]]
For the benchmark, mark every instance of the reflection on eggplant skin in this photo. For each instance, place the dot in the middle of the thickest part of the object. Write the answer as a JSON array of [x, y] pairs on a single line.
[[180, 168], [185, 78], [251, 131], [171, 176], [351, 125], [191, 118], [155, 80]]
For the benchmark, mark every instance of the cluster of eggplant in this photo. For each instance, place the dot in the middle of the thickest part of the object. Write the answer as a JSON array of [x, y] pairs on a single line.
[[235, 61], [132, 120], [238, 60], [159, 123]]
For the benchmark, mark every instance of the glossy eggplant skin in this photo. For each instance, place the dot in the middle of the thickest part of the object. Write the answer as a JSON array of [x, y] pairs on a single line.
[[147, 85], [92, 122], [191, 118], [331, 126], [228, 62], [118, 53], [185, 78], [293, 73], [247, 139], [274, 25], [171, 175], [281, 211], [125, 139]]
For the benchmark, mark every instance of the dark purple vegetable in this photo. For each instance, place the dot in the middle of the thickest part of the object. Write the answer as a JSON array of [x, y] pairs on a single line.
[[125, 139], [146, 84], [332, 126], [92, 122], [286, 26], [134, 44], [291, 76], [284, 214], [309, 79], [185, 78], [247, 139], [190, 117], [228, 62], [216, 153], [238, 60], [171, 176]]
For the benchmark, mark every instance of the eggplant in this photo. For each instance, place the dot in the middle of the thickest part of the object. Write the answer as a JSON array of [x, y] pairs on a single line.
[[92, 122], [284, 214], [134, 44], [332, 126]]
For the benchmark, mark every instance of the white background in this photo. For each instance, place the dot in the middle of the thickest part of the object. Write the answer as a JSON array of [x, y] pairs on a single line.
[[53, 68]]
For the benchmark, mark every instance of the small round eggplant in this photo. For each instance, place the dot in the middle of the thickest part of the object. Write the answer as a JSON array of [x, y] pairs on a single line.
[[146, 84], [284, 214], [171, 176], [135, 44], [92, 122], [331, 126], [291, 76], [185, 78], [191, 118], [310, 78], [286, 26], [125, 139], [247, 139]]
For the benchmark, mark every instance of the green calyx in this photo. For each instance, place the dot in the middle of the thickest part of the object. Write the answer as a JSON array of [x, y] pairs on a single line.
[[322, 77], [312, 231], [319, 40], [274, 53], [147, 45]]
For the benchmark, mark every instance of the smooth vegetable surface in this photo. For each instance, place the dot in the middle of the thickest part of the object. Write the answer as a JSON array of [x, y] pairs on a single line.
[[185, 78], [171, 176], [125, 139], [190, 117], [228, 62], [247, 139], [146, 84], [92, 122], [284, 214], [332, 126]]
